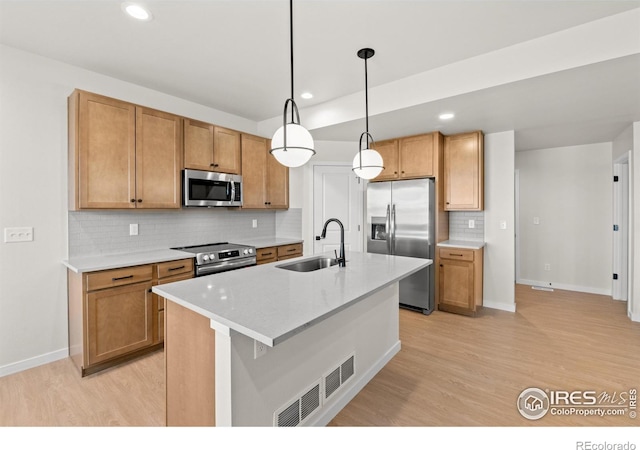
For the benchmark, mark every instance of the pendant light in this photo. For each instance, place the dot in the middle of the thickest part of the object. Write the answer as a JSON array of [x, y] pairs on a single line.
[[367, 163], [292, 144]]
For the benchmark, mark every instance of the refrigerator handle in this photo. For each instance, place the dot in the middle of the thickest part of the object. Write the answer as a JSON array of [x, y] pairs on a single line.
[[393, 230], [387, 226]]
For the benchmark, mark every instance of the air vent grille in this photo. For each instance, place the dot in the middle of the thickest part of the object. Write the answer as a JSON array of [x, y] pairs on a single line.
[[296, 412], [290, 417], [347, 369], [331, 383], [309, 402], [337, 377]]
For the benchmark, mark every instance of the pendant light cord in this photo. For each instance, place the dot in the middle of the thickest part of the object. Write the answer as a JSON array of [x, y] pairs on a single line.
[[291, 50], [366, 97]]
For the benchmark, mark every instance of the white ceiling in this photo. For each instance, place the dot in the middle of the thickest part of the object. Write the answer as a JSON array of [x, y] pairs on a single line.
[[234, 56]]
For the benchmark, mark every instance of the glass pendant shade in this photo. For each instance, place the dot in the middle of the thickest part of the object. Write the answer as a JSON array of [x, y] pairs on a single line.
[[299, 148], [367, 164]]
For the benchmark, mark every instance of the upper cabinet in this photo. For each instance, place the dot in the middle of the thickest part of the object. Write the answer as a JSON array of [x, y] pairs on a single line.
[[464, 172], [408, 157], [213, 148], [122, 156], [265, 181]]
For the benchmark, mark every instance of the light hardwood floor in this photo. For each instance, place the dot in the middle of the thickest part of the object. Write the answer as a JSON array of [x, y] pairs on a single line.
[[452, 371]]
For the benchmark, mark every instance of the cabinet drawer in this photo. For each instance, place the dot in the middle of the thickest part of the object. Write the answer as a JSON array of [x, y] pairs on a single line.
[[267, 253], [171, 268], [458, 254], [118, 277], [289, 250]]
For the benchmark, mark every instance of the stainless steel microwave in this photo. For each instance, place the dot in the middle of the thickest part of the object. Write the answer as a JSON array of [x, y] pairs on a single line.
[[202, 188]]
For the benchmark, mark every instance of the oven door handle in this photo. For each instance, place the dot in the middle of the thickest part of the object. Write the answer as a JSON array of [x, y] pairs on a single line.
[[223, 266]]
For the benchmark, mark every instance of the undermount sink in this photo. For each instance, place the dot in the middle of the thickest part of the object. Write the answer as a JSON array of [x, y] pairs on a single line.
[[309, 265]]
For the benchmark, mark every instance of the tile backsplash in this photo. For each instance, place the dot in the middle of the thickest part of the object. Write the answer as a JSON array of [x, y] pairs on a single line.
[[459, 225], [107, 232]]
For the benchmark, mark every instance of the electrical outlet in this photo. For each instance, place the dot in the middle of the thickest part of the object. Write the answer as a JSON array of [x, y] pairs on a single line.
[[259, 349], [472, 223], [503, 224], [254, 223], [18, 234], [133, 229], [536, 220], [547, 267]]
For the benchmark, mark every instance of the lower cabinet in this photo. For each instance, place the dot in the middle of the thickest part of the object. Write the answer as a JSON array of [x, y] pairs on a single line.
[[114, 316], [460, 280], [167, 272], [266, 255]]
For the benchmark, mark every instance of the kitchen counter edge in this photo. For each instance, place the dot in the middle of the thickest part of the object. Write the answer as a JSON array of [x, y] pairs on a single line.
[[105, 262], [473, 245]]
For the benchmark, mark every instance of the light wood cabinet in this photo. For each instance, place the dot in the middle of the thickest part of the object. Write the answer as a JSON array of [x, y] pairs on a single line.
[[210, 147], [121, 155], [464, 172], [460, 280], [167, 272], [409, 157], [265, 181], [266, 255], [114, 316]]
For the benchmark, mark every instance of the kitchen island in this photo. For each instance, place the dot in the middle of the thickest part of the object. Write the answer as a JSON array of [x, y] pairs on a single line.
[[266, 346]]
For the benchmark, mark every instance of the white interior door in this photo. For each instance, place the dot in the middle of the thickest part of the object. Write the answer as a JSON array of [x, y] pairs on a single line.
[[337, 193]]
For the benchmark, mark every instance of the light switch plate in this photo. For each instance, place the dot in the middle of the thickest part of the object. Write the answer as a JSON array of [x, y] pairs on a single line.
[[254, 223], [472, 223], [503, 224], [18, 234]]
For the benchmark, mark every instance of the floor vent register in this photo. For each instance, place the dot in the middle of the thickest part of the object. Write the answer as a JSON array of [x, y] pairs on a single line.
[[297, 411]]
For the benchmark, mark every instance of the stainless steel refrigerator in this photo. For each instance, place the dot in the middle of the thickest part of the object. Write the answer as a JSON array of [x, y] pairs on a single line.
[[401, 221]]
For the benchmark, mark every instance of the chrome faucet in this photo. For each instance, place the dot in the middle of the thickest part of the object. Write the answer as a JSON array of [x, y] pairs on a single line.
[[342, 262]]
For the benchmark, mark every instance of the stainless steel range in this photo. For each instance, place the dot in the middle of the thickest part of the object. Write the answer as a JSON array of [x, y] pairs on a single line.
[[220, 257]]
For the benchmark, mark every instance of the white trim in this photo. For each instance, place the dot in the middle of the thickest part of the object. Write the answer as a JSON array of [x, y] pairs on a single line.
[[567, 287], [34, 362], [634, 317], [620, 239], [517, 221], [327, 414], [510, 307]]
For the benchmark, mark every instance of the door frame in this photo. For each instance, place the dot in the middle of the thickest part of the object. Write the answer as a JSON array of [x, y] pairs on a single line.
[[621, 238]]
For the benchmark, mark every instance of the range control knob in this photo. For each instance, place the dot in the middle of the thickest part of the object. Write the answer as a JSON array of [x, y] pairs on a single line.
[[205, 257], [250, 251], [212, 256], [245, 251]]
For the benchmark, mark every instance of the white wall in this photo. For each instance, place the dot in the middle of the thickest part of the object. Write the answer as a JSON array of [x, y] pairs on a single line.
[[570, 190], [33, 192], [499, 251]]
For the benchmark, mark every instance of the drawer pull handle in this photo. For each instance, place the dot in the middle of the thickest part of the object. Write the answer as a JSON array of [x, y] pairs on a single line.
[[267, 254], [176, 268], [122, 278], [291, 250]]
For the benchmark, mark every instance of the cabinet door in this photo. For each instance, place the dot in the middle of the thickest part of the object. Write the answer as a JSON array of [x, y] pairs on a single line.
[[226, 151], [416, 156], [158, 159], [277, 183], [119, 321], [463, 172], [254, 171], [389, 152], [456, 285], [198, 145], [105, 175]]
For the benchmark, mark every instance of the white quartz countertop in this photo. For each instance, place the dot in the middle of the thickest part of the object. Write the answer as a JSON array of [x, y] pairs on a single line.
[[271, 304], [269, 242], [104, 262], [473, 245]]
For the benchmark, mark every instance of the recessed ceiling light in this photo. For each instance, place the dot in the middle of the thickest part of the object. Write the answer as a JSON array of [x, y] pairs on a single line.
[[306, 95], [446, 116], [136, 11]]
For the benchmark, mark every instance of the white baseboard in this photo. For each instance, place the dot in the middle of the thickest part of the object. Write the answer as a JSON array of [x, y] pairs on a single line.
[[635, 317], [33, 362], [567, 287], [510, 307], [324, 417]]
